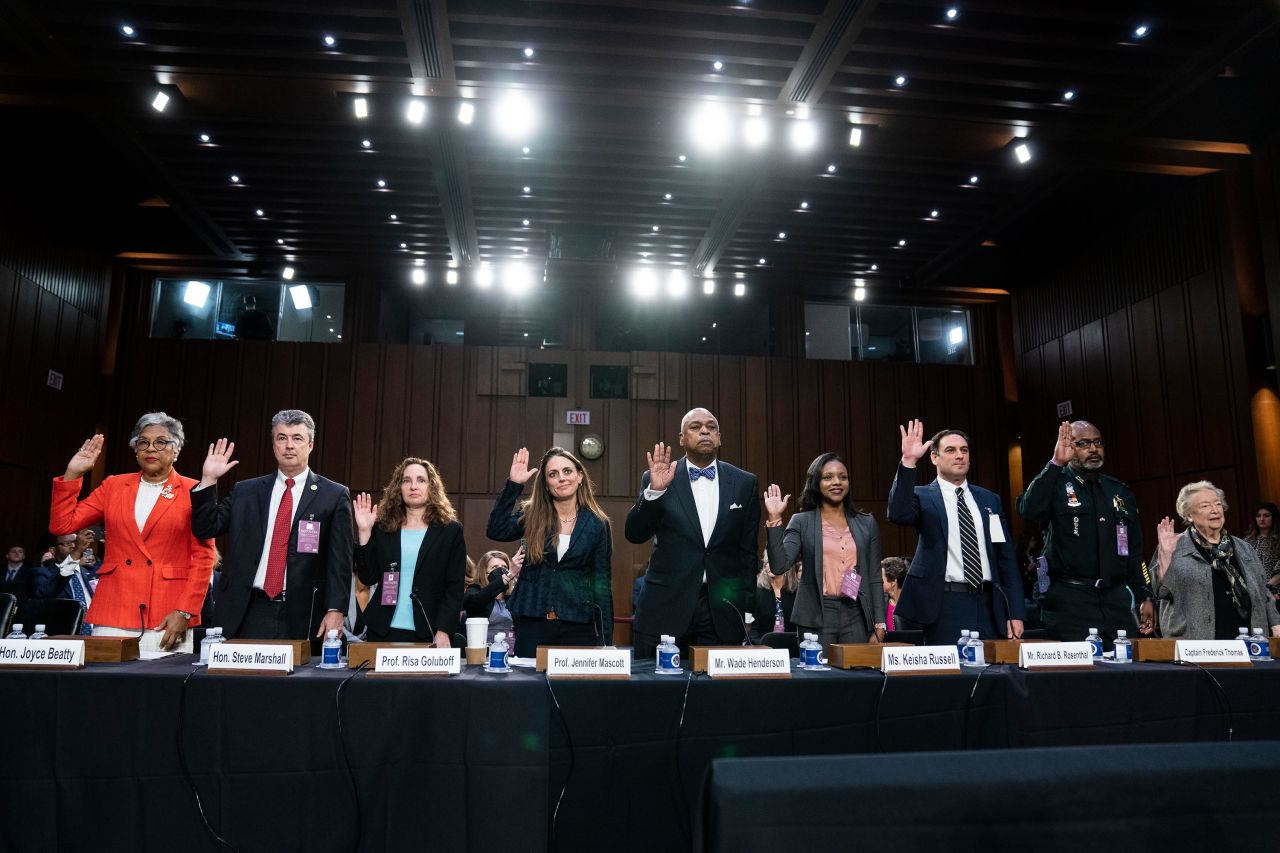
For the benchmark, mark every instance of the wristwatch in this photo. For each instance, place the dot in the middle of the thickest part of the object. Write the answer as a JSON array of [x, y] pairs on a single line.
[[185, 615]]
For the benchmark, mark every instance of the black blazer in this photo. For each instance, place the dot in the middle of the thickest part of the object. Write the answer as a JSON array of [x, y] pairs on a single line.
[[438, 577], [314, 583], [579, 586], [762, 609], [478, 601], [679, 556]]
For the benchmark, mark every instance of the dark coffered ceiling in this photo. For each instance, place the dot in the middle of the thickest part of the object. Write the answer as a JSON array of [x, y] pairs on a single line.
[[614, 83]]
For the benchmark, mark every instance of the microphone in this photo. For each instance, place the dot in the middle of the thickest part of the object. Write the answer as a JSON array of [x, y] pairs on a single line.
[[142, 620], [600, 614], [1007, 609], [414, 595], [746, 635]]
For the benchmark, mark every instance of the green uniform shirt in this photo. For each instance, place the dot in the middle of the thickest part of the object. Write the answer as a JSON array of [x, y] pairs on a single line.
[[1083, 515]]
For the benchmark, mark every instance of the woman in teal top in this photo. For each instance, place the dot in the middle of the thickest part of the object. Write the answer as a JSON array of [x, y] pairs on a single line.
[[410, 544]]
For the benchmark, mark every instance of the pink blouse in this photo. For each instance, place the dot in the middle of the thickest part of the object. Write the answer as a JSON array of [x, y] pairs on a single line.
[[839, 554]]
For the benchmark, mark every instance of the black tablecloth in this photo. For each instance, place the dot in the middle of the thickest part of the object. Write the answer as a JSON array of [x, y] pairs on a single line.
[[478, 761]]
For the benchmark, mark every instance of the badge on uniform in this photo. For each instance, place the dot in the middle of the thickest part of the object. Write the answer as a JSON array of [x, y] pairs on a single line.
[[1122, 540], [308, 537], [1072, 500]]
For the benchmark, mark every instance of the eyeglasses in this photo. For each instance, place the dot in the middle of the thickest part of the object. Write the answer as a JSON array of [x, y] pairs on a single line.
[[1085, 443], [160, 444]]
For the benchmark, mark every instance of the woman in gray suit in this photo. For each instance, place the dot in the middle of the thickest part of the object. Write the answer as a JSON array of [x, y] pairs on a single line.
[[1208, 582], [841, 595]]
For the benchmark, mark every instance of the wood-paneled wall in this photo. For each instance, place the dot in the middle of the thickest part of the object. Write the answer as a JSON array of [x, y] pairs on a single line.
[[464, 408], [1163, 375], [47, 324]]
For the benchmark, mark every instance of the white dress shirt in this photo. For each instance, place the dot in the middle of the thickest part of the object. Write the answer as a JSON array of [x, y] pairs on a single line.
[[955, 558], [277, 491], [706, 497]]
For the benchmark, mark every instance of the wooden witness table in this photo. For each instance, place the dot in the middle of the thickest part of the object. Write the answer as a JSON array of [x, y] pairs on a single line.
[[478, 761]]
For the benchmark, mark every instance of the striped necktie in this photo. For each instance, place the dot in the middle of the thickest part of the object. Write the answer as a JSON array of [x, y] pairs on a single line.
[[969, 552]]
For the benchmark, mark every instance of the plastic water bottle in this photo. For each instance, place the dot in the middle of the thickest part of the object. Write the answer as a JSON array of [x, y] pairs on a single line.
[[16, 633], [668, 657], [1243, 636], [975, 653], [962, 646], [1096, 642], [498, 654], [212, 637], [39, 633], [1124, 648], [811, 656], [1259, 648], [331, 651]]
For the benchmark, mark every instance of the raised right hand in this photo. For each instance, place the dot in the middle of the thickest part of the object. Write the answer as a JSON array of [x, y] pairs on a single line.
[[366, 514], [219, 461], [520, 471], [1064, 451], [913, 444], [661, 471], [774, 502], [82, 463], [1168, 539]]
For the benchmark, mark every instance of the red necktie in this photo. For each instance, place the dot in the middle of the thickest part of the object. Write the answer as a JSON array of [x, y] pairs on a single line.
[[279, 553]]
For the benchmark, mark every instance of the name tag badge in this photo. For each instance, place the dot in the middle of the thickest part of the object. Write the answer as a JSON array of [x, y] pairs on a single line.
[[995, 528], [390, 588], [308, 537], [1122, 540]]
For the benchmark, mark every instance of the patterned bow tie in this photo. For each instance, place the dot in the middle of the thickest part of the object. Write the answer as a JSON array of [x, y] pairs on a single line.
[[709, 472]]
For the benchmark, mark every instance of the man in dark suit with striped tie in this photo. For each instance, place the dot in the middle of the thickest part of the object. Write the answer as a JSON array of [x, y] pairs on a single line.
[[703, 516], [965, 571]]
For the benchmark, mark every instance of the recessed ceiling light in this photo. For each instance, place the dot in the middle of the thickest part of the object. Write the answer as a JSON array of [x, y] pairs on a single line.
[[279, 241], [709, 287], [419, 276], [677, 283], [524, 250], [1141, 31], [366, 143], [952, 13], [704, 338], [831, 168], [466, 112], [761, 262], [528, 53], [127, 31], [973, 179], [655, 229], [159, 102], [859, 294], [933, 214], [875, 267], [804, 205], [902, 243], [404, 245], [711, 126], [381, 183], [666, 196], [737, 275], [526, 190], [804, 134], [418, 262], [855, 136], [516, 278], [416, 111], [361, 107], [682, 158], [524, 150], [260, 212], [900, 80], [755, 132], [524, 222], [329, 41], [782, 235], [484, 275], [287, 273], [235, 179], [393, 217], [206, 138], [717, 65], [451, 277], [739, 289], [1069, 95], [1023, 153]]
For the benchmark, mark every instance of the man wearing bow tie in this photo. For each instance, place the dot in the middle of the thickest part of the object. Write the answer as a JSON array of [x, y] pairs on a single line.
[[703, 516]]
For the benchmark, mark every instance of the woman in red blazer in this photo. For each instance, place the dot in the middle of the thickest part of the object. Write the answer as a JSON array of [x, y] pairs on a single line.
[[156, 573]]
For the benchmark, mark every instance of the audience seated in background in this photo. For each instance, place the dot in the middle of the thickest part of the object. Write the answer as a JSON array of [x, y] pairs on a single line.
[[1264, 536], [775, 596], [893, 570], [17, 576]]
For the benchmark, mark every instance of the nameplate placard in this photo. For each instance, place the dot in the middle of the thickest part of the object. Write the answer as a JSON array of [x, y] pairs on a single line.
[[748, 663], [251, 659], [45, 654], [393, 661], [1055, 655], [906, 660], [1212, 652], [589, 663]]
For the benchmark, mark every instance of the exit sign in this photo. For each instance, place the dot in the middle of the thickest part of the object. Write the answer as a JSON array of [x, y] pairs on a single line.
[[578, 418], [1064, 410]]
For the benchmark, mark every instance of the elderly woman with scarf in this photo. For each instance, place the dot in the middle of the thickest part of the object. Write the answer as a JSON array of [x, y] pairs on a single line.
[[1208, 582]]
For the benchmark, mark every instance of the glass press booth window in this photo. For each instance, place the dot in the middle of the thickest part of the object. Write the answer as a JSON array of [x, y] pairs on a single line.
[[238, 309]]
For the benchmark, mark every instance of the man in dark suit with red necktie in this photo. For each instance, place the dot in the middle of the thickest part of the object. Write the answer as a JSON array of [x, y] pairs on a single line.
[[703, 516], [287, 571]]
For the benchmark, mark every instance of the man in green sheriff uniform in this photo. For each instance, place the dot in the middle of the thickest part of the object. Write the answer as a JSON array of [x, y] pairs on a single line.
[[1093, 541]]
